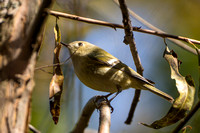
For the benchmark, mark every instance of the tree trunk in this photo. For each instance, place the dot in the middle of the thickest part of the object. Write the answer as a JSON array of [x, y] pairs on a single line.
[[20, 24]]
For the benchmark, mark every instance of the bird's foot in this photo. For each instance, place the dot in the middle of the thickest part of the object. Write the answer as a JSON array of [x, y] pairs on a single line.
[[99, 101]]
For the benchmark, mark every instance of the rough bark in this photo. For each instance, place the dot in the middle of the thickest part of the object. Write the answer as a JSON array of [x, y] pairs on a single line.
[[20, 25]]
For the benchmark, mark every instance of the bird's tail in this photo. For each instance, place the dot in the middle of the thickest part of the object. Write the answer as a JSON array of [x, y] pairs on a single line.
[[158, 92]]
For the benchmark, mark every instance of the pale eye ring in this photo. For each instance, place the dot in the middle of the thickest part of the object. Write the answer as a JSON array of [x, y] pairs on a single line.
[[80, 44]]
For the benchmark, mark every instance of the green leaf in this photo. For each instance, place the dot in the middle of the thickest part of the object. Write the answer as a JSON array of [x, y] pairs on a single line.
[[186, 89]]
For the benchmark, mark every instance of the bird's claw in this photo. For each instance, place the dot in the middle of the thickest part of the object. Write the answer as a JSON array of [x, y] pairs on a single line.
[[99, 99]]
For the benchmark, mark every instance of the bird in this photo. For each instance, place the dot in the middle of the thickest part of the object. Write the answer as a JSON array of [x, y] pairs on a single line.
[[101, 71]]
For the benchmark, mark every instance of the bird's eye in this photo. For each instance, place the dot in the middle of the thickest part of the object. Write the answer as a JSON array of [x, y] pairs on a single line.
[[80, 44]]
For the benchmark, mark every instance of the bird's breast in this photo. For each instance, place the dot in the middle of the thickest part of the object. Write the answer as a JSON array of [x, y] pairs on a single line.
[[101, 77]]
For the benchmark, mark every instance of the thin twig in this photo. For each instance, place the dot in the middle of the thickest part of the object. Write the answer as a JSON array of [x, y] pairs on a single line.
[[179, 43], [33, 129], [46, 71], [133, 107], [51, 65], [129, 39], [138, 29], [187, 118], [83, 19], [56, 64]]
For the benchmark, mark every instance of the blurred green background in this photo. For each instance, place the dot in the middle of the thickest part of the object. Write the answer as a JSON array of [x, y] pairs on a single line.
[[178, 17]]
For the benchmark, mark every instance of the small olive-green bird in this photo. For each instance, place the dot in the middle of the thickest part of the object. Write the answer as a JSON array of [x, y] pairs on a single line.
[[101, 71]]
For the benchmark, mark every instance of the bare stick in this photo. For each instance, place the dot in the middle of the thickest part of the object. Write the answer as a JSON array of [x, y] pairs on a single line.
[[138, 29], [100, 103], [104, 117], [129, 39], [140, 19], [85, 116], [133, 107], [56, 64], [83, 19], [33, 129], [50, 65]]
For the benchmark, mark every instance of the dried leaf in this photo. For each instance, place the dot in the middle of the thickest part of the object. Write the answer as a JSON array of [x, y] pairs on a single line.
[[184, 102], [55, 91], [57, 33], [56, 84]]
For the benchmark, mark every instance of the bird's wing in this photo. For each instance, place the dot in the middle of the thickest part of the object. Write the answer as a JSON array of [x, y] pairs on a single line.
[[106, 59]]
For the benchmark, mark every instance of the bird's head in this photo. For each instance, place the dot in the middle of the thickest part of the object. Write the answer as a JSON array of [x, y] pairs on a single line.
[[79, 48]]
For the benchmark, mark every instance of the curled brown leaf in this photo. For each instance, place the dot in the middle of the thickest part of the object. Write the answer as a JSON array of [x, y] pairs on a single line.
[[186, 89]]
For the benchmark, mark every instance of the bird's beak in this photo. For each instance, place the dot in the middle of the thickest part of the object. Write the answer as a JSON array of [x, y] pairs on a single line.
[[66, 45]]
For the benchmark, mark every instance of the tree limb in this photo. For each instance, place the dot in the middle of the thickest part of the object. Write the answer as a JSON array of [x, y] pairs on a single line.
[[33, 129], [129, 39], [104, 117], [137, 29], [85, 116], [104, 123], [179, 43]]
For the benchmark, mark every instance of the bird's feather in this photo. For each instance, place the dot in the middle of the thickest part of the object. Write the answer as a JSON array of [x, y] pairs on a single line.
[[107, 59]]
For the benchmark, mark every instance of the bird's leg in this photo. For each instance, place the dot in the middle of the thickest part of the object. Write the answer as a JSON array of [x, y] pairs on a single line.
[[106, 97], [118, 91]]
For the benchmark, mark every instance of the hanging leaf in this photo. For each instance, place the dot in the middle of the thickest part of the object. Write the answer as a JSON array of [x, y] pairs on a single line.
[[55, 91], [57, 33], [186, 89], [56, 84]]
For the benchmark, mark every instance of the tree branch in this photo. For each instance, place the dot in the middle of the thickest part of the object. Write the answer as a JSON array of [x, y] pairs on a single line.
[[137, 29], [85, 116], [104, 119], [129, 39], [133, 106], [140, 19], [104, 116], [33, 129]]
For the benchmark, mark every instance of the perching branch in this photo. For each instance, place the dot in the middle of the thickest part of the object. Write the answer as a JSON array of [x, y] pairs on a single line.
[[85, 116], [138, 29], [104, 116], [95, 102], [129, 39]]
